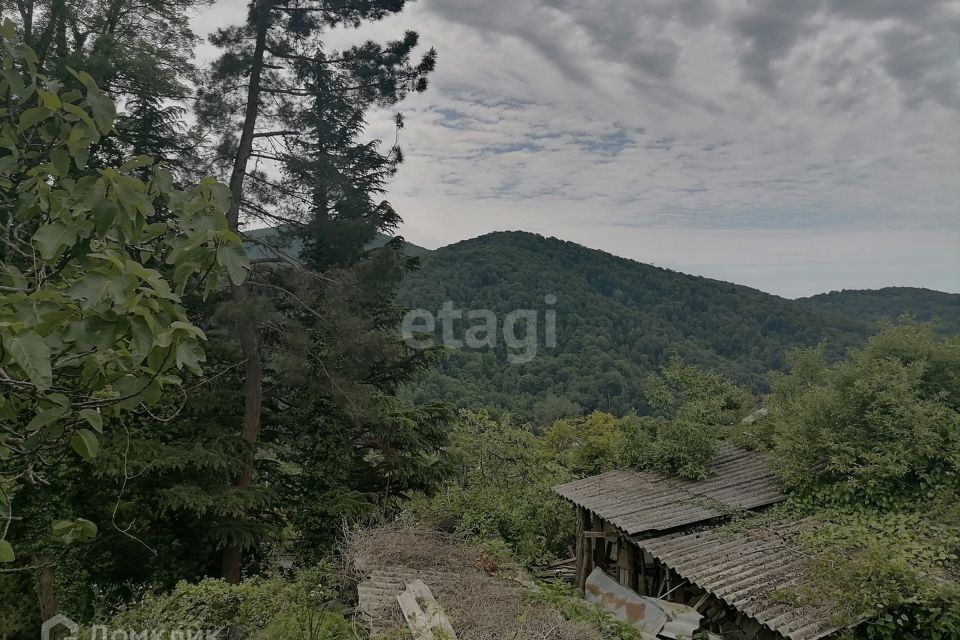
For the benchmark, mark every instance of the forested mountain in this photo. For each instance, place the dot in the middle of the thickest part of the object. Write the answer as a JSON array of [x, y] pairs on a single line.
[[877, 305], [292, 246], [617, 321]]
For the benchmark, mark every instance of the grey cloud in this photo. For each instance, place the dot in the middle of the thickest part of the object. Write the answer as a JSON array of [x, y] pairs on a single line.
[[695, 13], [870, 10], [768, 32], [626, 36], [924, 65], [921, 49], [620, 32], [519, 19], [919, 42]]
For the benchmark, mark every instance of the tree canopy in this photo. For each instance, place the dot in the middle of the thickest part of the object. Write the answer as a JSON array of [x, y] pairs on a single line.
[[92, 320]]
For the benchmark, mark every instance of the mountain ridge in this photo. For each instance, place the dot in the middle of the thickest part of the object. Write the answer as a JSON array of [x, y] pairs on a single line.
[[617, 321]]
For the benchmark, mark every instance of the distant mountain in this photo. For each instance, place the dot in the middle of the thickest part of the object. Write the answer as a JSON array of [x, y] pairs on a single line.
[[877, 305], [617, 321], [293, 246]]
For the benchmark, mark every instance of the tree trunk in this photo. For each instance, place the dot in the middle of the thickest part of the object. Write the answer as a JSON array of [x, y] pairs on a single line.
[[247, 329], [45, 587]]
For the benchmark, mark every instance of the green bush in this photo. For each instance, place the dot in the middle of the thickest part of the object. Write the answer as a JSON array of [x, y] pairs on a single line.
[[502, 493], [678, 447], [695, 408], [271, 608], [871, 446], [573, 607], [897, 571], [881, 428]]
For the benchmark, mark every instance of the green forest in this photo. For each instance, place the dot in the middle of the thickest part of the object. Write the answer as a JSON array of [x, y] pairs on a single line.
[[193, 411], [621, 320]]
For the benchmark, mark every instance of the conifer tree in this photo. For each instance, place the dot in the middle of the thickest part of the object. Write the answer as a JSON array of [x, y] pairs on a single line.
[[299, 110]]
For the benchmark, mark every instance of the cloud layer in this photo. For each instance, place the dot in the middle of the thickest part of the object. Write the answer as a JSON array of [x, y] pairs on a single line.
[[792, 145]]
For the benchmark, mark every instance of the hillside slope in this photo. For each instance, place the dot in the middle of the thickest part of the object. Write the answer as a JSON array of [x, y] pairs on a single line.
[[291, 246], [878, 305], [617, 320]]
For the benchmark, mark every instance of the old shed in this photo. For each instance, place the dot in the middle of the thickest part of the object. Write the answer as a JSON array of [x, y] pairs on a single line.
[[660, 537]]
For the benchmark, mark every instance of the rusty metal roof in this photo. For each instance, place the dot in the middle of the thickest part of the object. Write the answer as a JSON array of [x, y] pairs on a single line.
[[745, 569], [639, 502]]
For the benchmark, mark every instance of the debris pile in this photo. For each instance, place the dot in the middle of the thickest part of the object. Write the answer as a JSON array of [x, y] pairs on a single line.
[[483, 598]]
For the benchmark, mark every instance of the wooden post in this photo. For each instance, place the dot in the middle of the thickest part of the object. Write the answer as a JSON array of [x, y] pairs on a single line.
[[599, 544], [423, 621], [642, 578], [628, 564], [584, 557]]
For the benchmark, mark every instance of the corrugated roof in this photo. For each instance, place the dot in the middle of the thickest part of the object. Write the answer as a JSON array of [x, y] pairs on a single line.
[[745, 569], [639, 502]]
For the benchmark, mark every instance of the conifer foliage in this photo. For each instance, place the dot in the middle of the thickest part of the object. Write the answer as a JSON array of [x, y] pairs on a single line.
[[299, 109]]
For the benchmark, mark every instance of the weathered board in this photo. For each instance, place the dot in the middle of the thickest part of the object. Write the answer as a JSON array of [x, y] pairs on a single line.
[[423, 613]]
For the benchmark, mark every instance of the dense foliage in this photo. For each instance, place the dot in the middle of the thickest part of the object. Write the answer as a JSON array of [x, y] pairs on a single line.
[[263, 608], [502, 489], [92, 320], [868, 447], [880, 429], [284, 117], [879, 305], [694, 409], [178, 484], [174, 411], [617, 322], [871, 446]]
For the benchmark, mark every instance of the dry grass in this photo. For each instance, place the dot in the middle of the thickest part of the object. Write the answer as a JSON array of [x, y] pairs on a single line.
[[483, 598]]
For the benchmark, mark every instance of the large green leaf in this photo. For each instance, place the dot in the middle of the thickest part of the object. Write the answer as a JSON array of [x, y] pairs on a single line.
[[92, 288], [33, 355], [136, 163], [69, 531], [33, 116], [6, 552], [46, 417], [93, 418], [51, 237], [234, 260], [104, 111], [85, 443], [86, 79], [60, 160]]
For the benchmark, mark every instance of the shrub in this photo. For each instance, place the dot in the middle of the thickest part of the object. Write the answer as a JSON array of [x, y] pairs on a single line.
[[270, 608]]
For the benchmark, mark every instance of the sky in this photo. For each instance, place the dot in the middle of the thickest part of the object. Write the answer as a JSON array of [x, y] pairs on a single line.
[[796, 146]]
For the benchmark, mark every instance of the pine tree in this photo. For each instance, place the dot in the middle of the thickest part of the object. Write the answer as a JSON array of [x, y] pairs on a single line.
[[299, 111]]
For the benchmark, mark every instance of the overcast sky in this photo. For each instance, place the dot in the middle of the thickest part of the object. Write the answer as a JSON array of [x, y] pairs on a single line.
[[796, 146]]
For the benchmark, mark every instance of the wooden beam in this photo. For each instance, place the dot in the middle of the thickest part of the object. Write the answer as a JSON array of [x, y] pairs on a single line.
[[607, 535]]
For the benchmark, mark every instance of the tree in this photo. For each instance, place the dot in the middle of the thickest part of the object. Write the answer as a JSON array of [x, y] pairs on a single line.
[[879, 428], [502, 489], [91, 321], [696, 409], [298, 110], [870, 447], [139, 53]]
